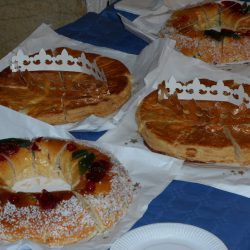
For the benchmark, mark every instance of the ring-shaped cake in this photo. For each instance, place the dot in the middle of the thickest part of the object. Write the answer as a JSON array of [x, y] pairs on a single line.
[[216, 33], [100, 192]]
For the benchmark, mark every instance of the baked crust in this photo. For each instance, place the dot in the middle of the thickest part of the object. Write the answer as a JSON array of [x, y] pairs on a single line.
[[65, 97], [191, 29], [201, 131], [100, 194]]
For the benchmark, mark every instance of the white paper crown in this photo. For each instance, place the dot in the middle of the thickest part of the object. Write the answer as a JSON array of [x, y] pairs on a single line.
[[62, 62], [197, 91]]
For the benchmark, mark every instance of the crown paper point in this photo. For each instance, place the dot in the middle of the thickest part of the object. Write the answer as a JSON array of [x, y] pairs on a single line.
[[198, 91], [62, 62]]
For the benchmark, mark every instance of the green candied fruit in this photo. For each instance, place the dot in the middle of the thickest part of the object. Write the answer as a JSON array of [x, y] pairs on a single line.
[[23, 143], [79, 153], [31, 198], [85, 163], [83, 166], [90, 158]]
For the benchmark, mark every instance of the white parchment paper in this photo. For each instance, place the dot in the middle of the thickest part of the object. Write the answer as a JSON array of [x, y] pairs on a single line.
[[168, 62], [144, 7], [45, 37]]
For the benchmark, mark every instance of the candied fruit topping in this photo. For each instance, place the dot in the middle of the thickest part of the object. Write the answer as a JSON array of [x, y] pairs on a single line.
[[8, 148], [71, 147], [47, 200], [38, 139], [83, 166], [31, 199], [105, 164], [34, 147], [21, 199], [14, 199], [90, 186], [79, 153], [97, 171], [85, 160], [95, 176]]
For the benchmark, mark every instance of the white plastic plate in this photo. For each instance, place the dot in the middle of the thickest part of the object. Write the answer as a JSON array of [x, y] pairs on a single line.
[[172, 236]]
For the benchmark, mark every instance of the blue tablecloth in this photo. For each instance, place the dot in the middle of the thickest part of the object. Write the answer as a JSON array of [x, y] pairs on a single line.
[[223, 214], [104, 30]]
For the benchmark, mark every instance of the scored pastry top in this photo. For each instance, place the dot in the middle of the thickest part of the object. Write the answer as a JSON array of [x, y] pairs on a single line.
[[203, 130], [59, 97]]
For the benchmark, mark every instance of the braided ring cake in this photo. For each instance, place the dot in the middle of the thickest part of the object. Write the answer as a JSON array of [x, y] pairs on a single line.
[[100, 194], [213, 32], [60, 97], [196, 130]]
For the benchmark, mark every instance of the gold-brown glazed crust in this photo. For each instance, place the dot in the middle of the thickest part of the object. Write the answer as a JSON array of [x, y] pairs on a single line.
[[65, 97]]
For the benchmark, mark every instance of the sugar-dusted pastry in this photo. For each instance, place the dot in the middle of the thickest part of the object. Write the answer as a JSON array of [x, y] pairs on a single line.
[[213, 32], [100, 191]]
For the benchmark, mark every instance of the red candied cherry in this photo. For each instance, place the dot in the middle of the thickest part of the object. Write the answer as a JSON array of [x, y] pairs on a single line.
[[105, 164], [90, 186], [95, 176], [34, 147], [47, 200], [98, 170], [100, 166], [8, 148], [38, 139], [71, 147], [14, 199]]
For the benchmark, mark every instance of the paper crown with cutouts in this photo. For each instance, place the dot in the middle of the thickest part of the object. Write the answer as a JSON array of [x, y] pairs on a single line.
[[198, 91], [61, 62]]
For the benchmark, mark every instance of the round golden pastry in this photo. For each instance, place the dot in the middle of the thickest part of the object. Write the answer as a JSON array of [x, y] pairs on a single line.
[[64, 97], [213, 32], [100, 194], [197, 131]]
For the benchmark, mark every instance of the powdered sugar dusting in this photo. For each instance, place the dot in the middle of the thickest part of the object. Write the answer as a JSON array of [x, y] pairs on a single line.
[[25, 222], [70, 219], [73, 217], [110, 207]]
